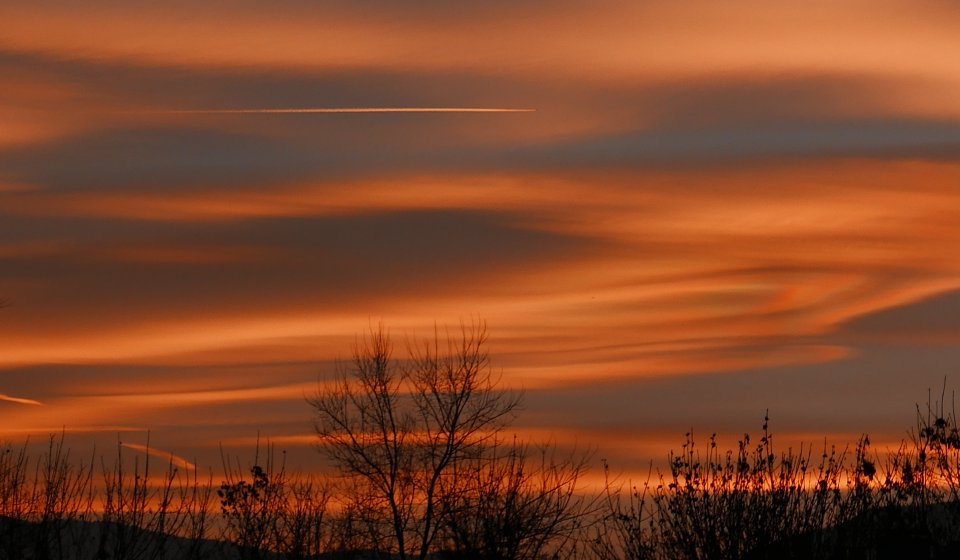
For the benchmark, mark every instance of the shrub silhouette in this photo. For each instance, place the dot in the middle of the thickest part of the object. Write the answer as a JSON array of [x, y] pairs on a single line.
[[756, 502], [507, 505]]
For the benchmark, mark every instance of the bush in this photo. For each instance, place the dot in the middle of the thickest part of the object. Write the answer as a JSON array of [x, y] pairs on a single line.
[[757, 503]]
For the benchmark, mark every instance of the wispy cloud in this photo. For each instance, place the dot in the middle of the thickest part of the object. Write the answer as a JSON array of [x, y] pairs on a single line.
[[73, 429], [655, 235]]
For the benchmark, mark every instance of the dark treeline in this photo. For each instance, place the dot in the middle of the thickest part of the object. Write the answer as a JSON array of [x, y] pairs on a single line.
[[425, 468]]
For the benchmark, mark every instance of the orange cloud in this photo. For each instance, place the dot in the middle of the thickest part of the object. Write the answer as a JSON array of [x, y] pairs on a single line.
[[616, 39], [703, 189], [697, 268]]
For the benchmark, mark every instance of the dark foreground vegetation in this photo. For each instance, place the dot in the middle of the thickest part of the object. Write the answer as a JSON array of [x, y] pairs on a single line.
[[426, 469]]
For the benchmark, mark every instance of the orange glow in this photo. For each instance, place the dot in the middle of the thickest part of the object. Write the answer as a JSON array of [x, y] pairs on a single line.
[[674, 209]]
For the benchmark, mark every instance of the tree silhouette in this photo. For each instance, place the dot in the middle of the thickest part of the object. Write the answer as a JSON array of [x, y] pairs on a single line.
[[400, 428]]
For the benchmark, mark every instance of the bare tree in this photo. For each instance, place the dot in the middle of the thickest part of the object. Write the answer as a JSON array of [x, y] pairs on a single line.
[[401, 427]]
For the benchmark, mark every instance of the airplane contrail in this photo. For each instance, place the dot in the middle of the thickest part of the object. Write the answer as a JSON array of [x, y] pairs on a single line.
[[348, 110], [19, 400], [175, 459]]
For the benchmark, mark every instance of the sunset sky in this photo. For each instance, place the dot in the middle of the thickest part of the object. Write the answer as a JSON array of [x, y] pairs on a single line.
[[704, 210]]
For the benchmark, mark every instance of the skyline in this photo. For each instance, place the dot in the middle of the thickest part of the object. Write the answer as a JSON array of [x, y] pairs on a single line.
[[671, 217]]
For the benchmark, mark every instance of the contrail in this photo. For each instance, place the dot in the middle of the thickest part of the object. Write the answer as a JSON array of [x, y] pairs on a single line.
[[19, 400], [345, 110], [175, 459]]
